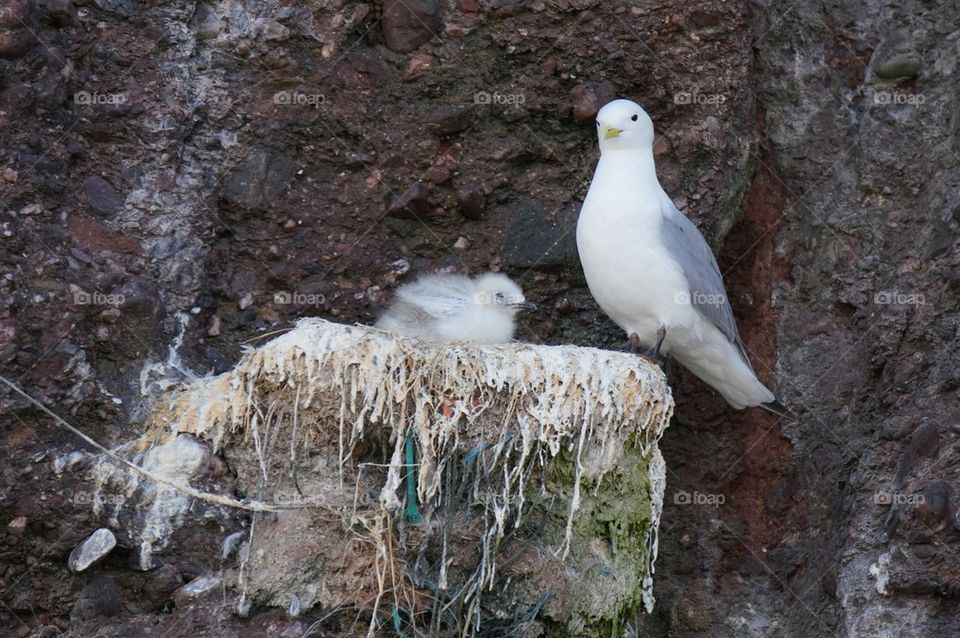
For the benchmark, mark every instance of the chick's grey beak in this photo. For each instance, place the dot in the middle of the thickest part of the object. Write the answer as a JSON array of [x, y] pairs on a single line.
[[524, 305]]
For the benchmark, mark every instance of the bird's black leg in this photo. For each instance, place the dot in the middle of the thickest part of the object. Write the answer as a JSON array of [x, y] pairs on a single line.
[[654, 352], [634, 343]]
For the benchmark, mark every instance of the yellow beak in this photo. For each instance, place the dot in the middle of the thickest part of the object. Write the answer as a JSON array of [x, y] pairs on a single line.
[[609, 131]]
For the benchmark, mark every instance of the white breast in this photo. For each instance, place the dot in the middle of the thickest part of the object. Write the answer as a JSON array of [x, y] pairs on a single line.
[[629, 273]]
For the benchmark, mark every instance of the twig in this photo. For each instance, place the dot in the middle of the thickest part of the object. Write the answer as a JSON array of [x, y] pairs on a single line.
[[253, 506]]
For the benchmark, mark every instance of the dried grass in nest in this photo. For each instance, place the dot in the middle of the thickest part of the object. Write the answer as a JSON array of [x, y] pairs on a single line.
[[320, 418]]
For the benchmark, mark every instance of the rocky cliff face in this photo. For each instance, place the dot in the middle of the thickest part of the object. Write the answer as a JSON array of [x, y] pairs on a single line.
[[180, 177]]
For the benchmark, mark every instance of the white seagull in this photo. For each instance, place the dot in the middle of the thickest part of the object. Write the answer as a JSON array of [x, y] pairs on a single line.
[[443, 307], [651, 270]]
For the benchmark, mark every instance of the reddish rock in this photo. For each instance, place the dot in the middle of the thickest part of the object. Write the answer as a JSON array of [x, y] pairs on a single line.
[[91, 235], [417, 66], [587, 98]]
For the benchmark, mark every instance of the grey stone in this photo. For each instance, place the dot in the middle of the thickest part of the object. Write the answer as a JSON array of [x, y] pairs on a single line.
[[259, 180], [95, 547], [197, 589], [903, 65]]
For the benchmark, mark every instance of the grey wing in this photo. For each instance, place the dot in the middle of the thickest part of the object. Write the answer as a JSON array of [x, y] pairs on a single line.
[[406, 319], [707, 294]]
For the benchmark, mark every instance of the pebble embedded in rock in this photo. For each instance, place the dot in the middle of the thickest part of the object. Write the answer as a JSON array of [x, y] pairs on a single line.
[[448, 120], [904, 65], [196, 589], [534, 240], [438, 173], [661, 146], [123, 8], [417, 66], [214, 329], [259, 180], [17, 525], [99, 599], [15, 43], [587, 98], [63, 13], [409, 23], [14, 12], [470, 200], [95, 547], [411, 204], [935, 507], [101, 196]]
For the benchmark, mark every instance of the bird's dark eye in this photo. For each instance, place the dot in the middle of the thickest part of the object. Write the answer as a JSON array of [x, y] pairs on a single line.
[[499, 296], [634, 117], [598, 123]]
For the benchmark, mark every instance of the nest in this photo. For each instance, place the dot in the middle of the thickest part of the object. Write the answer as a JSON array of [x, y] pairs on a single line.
[[448, 488]]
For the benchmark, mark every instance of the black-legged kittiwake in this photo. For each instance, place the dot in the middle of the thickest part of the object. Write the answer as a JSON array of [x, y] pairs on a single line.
[[651, 270], [446, 307]]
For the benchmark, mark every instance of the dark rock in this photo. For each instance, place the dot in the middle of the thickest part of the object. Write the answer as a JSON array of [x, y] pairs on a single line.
[[63, 13], [470, 200], [99, 599], [122, 8], [536, 241], [359, 160], [140, 298], [216, 361], [922, 444], [940, 243], [158, 590], [259, 180], [411, 204], [935, 507], [409, 23], [100, 196], [448, 120]]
